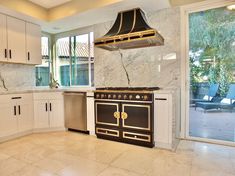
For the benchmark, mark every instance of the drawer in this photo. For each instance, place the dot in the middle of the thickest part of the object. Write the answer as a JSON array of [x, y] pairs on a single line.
[[48, 95], [15, 97], [107, 132], [136, 136]]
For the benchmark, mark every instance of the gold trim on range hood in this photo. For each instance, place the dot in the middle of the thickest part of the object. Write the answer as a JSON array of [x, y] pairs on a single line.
[[130, 30]]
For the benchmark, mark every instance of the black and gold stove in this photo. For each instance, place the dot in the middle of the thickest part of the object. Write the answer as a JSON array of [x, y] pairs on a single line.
[[125, 115]]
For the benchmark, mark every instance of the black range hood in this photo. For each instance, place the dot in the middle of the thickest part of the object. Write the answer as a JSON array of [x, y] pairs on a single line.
[[130, 30]]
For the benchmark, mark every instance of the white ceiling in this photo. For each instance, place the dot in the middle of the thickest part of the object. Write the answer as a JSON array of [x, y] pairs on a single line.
[[49, 3], [107, 13], [89, 17]]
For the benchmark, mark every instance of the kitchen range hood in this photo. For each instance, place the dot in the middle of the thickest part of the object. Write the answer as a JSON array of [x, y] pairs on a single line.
[[130, 30]]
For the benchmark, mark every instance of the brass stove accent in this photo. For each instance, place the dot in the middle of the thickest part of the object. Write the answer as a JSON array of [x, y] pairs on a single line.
[[124, 115], [130, 30], [116, 115]]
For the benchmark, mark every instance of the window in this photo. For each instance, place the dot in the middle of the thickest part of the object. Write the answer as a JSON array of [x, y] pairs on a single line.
[[75, 60], [43, 70]]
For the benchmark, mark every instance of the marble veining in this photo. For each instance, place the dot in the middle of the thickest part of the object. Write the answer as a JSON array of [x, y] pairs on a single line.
[[153, 66], [16, 77]]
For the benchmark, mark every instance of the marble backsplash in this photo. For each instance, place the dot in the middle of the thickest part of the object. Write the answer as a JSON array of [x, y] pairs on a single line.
[[153, 66], [14, 77]]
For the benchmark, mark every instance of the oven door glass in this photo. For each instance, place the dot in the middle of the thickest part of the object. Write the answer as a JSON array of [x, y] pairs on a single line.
[[107, 113], [136, 116]]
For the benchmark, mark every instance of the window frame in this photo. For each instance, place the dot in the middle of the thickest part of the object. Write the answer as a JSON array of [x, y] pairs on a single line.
[[89, 62], [43, 34]]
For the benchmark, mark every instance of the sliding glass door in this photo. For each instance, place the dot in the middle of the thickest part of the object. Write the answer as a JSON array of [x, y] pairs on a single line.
[[211, 62]]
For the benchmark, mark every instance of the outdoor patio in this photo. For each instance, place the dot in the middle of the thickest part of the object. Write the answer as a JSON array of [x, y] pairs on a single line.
[[212, 124]]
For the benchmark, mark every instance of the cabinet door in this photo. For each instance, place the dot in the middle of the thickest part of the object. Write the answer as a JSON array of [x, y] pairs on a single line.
[[16, 40], [3, 38], [8, 120], [25, 116], [162, 121], [107, 113], [56, 113], [136, 116], [41, 114], [33, 44]]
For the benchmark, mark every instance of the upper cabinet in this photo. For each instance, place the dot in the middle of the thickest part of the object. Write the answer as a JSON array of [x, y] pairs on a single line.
[[3, 38], [20, 41], [33, 44], [16, 40]]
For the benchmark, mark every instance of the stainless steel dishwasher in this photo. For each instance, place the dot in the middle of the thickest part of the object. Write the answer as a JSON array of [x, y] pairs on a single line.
[[75, 111]]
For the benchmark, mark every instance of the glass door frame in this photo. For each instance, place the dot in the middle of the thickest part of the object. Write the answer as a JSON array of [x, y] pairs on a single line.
[[185, 70]]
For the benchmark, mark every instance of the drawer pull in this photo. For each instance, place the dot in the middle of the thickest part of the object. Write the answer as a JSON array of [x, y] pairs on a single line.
[[107, 132], [137, 136]]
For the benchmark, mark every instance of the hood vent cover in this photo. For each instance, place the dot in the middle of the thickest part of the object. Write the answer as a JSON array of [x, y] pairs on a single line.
[[130, 30]]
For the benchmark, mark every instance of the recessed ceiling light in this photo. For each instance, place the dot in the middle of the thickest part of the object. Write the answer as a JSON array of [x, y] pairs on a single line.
[[231, 7]]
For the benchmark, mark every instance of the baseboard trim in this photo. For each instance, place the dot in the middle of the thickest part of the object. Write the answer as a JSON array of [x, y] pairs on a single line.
[[15, 136], [43, 130]]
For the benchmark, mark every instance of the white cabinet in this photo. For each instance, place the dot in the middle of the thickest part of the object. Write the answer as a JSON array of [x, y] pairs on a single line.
[[48, 110], [162, 113], [166, 121], [41, 115], [20, 41], [33, 44], [25, 113], [3, 38], [16, 114], [16, 40], [8, 122]]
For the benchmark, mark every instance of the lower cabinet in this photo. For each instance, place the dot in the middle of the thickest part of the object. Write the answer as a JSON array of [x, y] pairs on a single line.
[[48, 110], [16, 114]]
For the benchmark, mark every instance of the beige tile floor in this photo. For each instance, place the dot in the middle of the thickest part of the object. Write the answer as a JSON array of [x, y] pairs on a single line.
[[73, 154]]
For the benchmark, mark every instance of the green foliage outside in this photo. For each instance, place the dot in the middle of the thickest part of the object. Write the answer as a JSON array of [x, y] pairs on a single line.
[[212, 48]]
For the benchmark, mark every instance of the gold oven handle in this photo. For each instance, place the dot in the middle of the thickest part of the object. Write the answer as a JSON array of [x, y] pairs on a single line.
[[124, 115], [116, 115]]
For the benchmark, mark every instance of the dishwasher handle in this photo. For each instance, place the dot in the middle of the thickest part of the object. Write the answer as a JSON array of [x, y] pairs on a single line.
[[74, 94]]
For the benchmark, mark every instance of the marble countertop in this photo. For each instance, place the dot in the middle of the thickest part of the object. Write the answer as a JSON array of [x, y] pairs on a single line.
[[47, 89], [71, 89]]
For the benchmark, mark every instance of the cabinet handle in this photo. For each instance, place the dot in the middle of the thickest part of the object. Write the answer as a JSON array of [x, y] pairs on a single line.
[[160, 99], [10, 53], [19, 111], [28, 56], [46, 106], [15, 98], [5, 53], [14, 110], [50, 107]]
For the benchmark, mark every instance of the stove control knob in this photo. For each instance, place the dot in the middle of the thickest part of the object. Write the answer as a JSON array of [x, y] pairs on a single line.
[[97, 95], [119, 96], [114, 96], [102, 95], [125, 96], [137, 96], [145, 97], [130, 97], [109, 96]]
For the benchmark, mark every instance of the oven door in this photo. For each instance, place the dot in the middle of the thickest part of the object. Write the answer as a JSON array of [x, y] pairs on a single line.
[[136, 116], [107, 113]]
